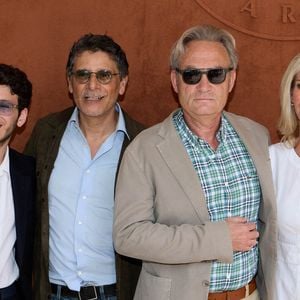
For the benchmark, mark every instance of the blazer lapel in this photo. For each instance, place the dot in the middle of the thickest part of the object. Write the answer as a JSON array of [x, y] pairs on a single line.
[[177, 159], [255, 145], [18, 181], [258, 150]]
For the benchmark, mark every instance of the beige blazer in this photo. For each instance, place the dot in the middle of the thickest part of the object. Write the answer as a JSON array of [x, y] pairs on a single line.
[[161, 215]]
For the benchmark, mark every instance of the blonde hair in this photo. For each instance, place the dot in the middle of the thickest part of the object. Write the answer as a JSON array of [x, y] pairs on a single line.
[[288, 124]]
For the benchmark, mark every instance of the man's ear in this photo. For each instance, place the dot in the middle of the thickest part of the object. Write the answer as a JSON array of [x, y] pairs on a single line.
[[232, 80], [123, 84], [174, 80], [70, 86], [22, 117]]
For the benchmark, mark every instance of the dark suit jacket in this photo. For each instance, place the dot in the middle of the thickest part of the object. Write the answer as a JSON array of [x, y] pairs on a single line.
[[22, 172], [44, 145]]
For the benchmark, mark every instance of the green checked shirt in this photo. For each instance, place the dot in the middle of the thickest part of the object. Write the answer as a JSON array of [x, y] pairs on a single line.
[[231, 186]]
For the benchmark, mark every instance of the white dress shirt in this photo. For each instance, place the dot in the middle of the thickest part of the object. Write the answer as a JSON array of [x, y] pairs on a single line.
[[286, 173], [9, 270]]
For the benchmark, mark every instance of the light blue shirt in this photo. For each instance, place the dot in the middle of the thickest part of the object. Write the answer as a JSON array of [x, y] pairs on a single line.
[[81, 202]]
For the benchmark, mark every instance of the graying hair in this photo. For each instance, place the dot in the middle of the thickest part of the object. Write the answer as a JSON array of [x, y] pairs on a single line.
[[204, 33]]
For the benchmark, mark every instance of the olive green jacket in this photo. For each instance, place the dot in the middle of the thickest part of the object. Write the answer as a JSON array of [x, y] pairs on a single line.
[[44, 145]]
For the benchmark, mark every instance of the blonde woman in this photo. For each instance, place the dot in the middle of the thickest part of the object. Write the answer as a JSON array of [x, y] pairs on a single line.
[[285, 159]]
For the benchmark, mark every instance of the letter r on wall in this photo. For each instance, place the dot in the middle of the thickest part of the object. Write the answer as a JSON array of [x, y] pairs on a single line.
[[288, 14]]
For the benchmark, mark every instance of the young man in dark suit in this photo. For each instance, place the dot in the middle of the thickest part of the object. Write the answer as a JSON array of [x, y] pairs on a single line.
[[17, 189]]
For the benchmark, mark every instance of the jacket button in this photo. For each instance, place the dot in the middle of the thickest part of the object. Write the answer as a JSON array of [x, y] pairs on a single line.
[[205, 283]]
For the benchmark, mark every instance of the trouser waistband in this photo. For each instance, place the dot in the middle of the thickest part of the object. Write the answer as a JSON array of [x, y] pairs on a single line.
[[238, 294], [86, 292]]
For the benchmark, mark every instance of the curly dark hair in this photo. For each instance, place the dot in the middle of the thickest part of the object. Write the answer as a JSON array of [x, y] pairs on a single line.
[[93, 43], [18, 83]]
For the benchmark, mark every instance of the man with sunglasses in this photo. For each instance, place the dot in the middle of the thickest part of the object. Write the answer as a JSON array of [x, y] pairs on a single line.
[[78, 153], [17, 189], [194, 196]]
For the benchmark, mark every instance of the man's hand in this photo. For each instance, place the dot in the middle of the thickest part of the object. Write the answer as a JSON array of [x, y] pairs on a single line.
[[243, 234]]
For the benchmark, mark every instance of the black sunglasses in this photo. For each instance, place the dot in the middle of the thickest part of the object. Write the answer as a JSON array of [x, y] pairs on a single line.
[[103, 76], [214, 75]]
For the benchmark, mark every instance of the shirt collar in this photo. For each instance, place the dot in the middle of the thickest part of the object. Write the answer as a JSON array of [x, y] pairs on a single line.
[[4, 166], [121, 127], [223, 130], [220, 135]]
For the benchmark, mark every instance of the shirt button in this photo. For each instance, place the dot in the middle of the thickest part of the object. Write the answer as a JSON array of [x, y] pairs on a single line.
[[79, 250], [83, 197], [79, 272], [79, 222], [226, 184], [88, 171], [205, 283]]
